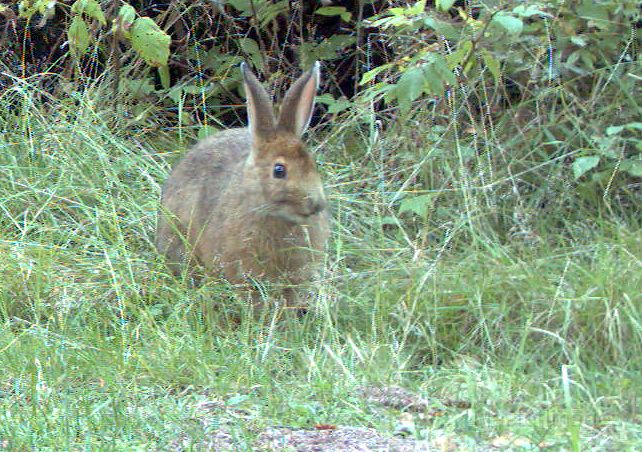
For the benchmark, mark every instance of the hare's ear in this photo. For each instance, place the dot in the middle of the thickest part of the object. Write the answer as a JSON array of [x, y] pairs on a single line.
[[260, 112], [298, 103]]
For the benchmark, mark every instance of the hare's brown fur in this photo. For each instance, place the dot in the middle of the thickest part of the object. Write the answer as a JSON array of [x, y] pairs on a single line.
[[223, 209]]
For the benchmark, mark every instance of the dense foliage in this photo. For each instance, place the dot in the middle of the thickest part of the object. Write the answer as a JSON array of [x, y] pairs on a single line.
[[176, 63]]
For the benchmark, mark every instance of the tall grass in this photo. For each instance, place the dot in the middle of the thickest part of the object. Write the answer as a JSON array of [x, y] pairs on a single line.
[[508, 289]]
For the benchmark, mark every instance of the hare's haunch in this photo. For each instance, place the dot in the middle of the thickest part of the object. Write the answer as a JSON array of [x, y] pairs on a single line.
[[249, 202]]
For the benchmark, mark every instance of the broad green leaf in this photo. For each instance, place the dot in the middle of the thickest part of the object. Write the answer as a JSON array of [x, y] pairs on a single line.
[[341, 11], [251, 49], [613, 130], [410, 86], [445, 5], [529, 11], [606, 146], [438, 67], [417, 204], [492, 64], [78, 36], [334, 105], [434, 83], [441, 27], [510, 24], [127, 15], [151, 43], [91, 8], [582, 165], [633, 167], [602, 177], [459, 55]]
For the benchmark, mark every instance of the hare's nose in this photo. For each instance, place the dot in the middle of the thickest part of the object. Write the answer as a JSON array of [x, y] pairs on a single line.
[[315, 204]]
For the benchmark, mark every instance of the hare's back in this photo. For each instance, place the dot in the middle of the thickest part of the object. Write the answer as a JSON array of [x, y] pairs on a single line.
[[218, 154], [205, 171]]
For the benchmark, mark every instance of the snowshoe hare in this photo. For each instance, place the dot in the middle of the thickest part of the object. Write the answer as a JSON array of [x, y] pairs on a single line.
[[248, 203]]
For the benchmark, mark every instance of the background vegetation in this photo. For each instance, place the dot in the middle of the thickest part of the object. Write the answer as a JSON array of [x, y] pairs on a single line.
[[483, 163]]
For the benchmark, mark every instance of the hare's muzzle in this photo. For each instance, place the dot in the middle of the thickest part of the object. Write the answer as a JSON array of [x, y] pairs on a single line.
[[315, 204]]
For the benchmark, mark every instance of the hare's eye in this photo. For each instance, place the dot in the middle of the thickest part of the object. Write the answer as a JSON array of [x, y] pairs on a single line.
[[279, 171]]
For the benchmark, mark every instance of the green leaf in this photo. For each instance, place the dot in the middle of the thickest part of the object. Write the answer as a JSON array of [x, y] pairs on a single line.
[[578, 41], [529, 11], [127, 15], [27, 8], [632, 167], [341, 11], [410, 86], [582, 165], [124, 21], [140, 87], [445, 5], [151, 43], [417, 204], [418, 8], [78, 35], [252, 50], [334, 105], [91, 8], [441, 27], [606, 146], [438, 68], [614, 130], [268, 12], [206, 131], [388, 220], [237, 399], [244, 6], [594, 12], [459, 55], [370, 75], [163, 73], [492, 64], [325, 50], [509, 23], [388, 22]]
